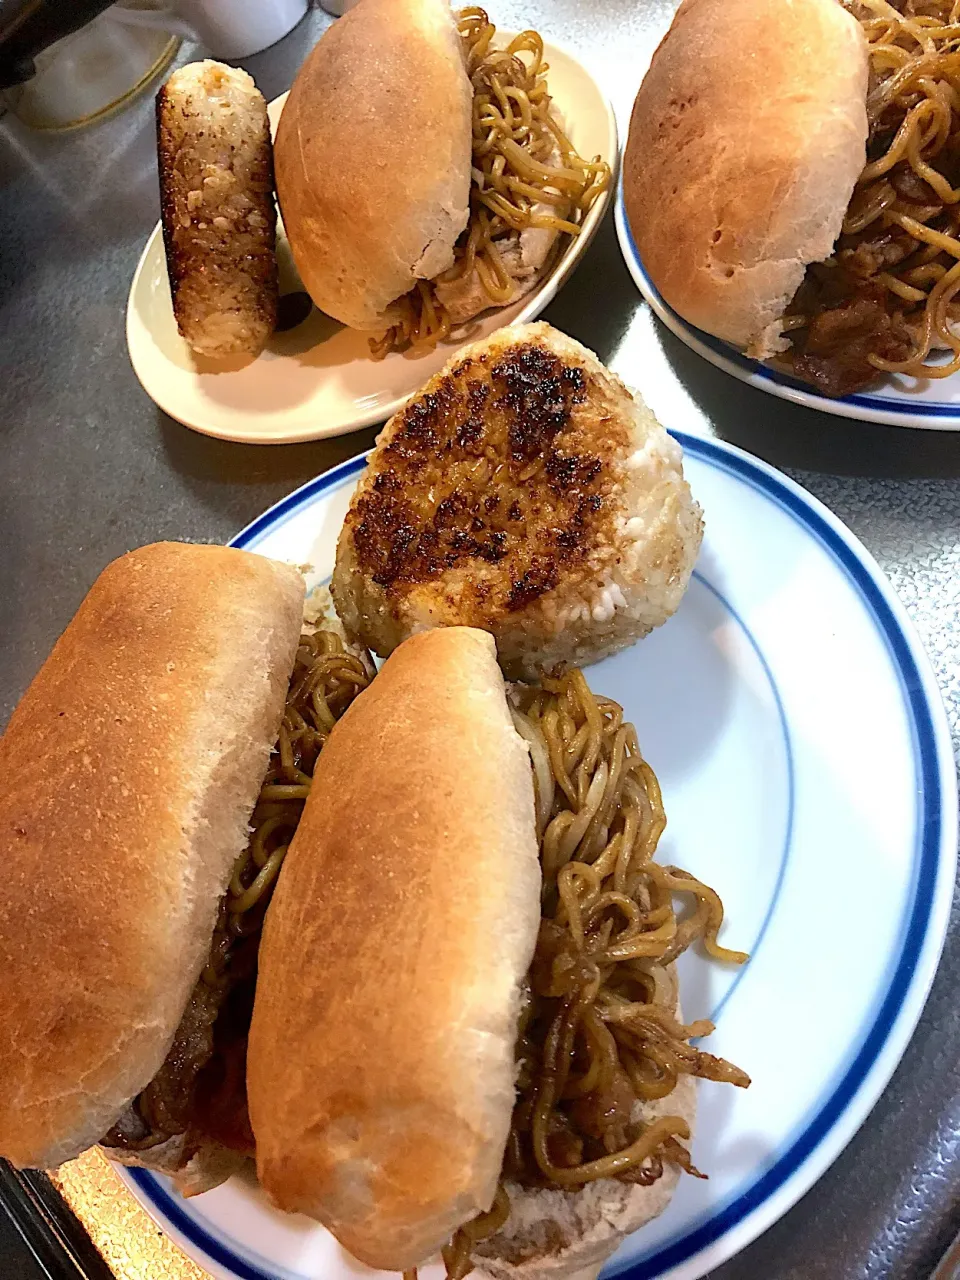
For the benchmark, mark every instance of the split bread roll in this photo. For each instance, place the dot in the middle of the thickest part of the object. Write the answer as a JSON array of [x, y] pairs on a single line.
[[746, 140], [129, 772], [373, 169], [381, 1067]]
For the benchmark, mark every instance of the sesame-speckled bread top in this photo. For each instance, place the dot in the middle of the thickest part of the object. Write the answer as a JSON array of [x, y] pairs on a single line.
[[524, 491]]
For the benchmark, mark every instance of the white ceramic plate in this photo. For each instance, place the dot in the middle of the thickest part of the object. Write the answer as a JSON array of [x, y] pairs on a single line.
[[807, 771], [899, 401], [319, 379]]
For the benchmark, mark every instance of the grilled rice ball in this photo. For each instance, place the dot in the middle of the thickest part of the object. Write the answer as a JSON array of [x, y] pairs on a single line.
[[524, 491], [218, 212]]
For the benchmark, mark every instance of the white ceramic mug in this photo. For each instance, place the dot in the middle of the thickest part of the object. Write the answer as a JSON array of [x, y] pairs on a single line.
[[227, 28]]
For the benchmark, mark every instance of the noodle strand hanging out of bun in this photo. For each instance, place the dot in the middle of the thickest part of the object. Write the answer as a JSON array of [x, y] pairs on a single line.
[[601, 1047]]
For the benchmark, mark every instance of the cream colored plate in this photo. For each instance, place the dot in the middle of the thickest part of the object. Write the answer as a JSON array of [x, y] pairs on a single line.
[[319, 379]]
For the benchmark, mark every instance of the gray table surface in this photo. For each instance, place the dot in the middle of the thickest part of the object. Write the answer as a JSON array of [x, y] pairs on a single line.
[[89, 468]]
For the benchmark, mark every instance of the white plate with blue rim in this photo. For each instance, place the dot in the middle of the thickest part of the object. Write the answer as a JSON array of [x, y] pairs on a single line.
[[930, 403], [808, 775]]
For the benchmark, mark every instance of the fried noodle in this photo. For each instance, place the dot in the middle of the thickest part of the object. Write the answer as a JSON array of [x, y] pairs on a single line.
[[890, 287], [525, 173], [599, 1035]]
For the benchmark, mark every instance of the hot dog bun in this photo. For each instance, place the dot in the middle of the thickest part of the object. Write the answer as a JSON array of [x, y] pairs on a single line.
[[380, 1068], [746, 140], [373, 157], [129, 771]]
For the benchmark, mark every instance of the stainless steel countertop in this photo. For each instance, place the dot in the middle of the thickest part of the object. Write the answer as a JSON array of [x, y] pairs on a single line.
[[89, 468]]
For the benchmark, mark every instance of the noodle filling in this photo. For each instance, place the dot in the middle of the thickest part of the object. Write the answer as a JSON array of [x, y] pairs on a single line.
[[599, 1036], [528, 185], [885, 301]]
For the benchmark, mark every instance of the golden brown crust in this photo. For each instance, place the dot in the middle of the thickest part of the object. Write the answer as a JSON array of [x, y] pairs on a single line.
[[526, 492], [746, 139], [381, 1067], [215, 160], [503, 436], [129, 771], [373, 157]]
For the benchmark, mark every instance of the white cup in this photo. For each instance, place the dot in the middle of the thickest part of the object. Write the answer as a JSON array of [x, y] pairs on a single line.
[[227, 28]]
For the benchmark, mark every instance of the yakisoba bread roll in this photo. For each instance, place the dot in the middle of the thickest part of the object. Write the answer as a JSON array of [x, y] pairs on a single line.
[[172, 736], [148, 732], [417, 198], [217, 206], [806, 203], [469, 957]]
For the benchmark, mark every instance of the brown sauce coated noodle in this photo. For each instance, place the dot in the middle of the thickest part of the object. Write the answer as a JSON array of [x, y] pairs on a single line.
[[599, 1034], [891, 284], [525, 173]]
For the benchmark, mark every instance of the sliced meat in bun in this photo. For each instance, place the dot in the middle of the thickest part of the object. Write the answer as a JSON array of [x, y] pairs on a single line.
[[128, 774]]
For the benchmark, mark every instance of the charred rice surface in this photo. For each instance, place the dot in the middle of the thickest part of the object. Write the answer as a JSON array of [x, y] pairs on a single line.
[[492, 471]]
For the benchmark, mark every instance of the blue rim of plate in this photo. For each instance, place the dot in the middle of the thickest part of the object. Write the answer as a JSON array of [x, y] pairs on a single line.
[[934, 861], [865, 408]]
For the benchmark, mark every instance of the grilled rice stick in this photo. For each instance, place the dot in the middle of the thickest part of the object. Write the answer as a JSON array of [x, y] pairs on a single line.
[[526, 492], [218, 213]]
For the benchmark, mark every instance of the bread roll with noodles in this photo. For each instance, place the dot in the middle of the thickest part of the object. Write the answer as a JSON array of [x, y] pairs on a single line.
[[416, 198], [392, 957], [524, 491], [218, 214], [129, 772], [746, 139], [790, 181], [428, 995]]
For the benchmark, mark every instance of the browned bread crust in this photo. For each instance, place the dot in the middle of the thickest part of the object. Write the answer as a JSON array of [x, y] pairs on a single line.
[[373, 157], [127, 777], [380, 1069], [746, 139]]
